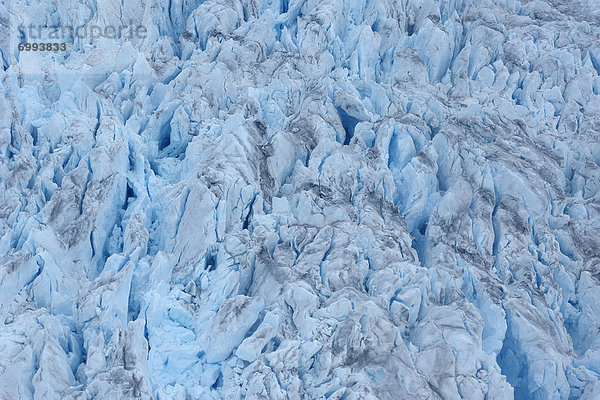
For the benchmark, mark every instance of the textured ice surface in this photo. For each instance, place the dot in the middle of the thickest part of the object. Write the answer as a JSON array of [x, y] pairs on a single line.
[[302, 199]]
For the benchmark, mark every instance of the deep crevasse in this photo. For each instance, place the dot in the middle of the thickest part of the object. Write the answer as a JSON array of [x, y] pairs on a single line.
[[301, 200]]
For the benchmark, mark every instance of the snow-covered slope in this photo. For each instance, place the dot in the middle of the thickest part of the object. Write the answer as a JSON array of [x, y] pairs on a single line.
[[302, 199]]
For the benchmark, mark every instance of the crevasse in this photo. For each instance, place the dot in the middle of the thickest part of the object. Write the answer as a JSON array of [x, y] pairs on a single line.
[[302, 199]]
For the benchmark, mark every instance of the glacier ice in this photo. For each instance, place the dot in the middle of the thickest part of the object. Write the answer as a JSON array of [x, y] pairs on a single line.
[[302, 199]]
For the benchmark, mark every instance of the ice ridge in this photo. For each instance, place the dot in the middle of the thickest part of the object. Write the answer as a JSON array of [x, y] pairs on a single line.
[[302, 199]]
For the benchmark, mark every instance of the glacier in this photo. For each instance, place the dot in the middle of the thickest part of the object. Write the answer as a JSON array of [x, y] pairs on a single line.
[[302, 199]]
